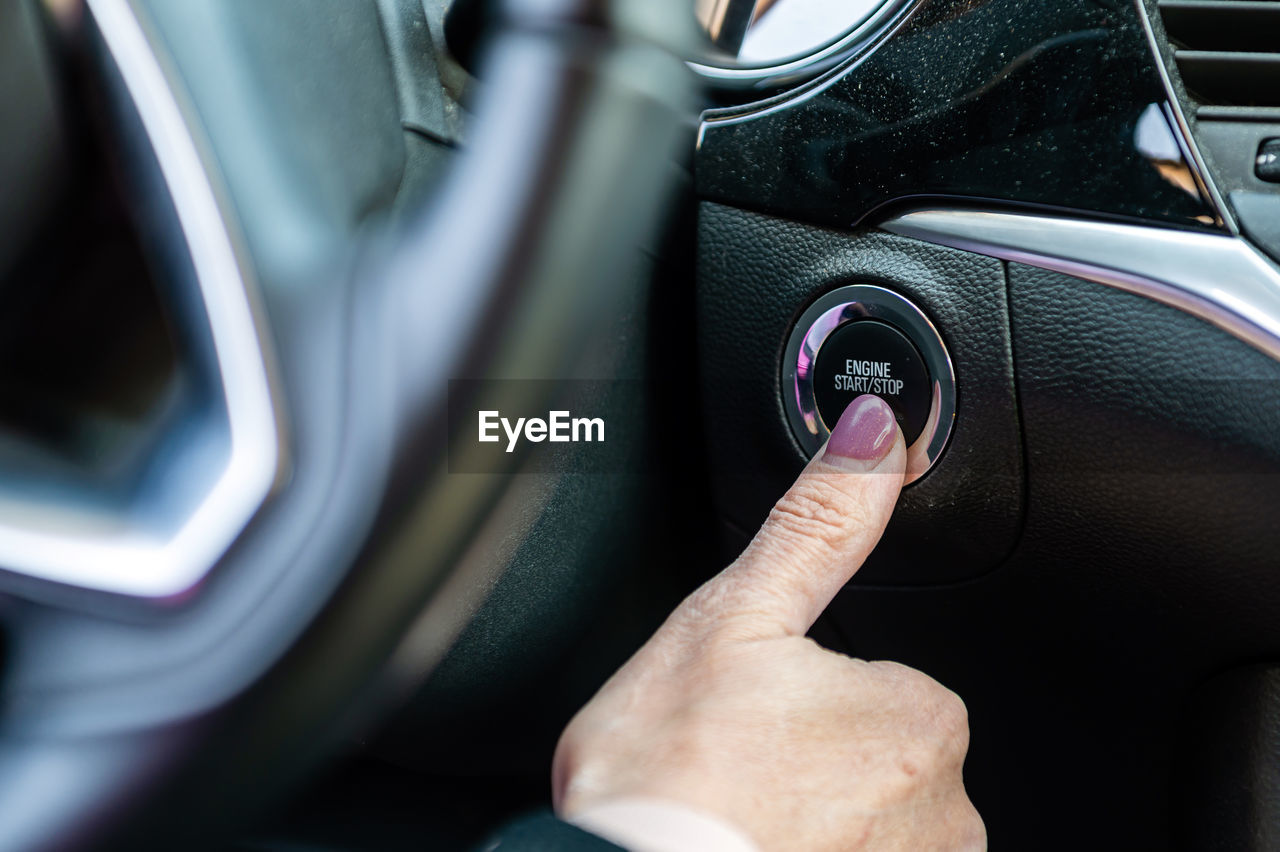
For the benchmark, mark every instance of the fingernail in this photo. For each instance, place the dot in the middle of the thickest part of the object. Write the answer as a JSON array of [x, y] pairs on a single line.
[[866, 430]]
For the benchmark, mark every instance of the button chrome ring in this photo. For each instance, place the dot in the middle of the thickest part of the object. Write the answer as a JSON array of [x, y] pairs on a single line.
[[850, 304]]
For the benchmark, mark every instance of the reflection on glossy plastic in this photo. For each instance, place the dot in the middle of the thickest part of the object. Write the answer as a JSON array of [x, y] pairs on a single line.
[[1042, 102], [783, 29]]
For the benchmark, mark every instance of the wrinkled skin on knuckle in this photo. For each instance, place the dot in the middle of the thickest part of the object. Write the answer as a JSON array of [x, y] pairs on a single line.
[[945, 715], [927, 712], [704, 603], [957, 824], [821, 513], [970, 831], [953, 721], [720, 609], [734, 607]]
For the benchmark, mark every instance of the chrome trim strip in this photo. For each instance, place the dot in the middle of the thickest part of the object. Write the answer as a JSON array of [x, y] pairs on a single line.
[[124, 554], [861, 35], [1186, 138], [1221, 279]]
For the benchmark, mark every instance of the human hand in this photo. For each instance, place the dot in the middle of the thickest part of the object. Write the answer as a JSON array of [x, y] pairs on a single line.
[[731, 711]]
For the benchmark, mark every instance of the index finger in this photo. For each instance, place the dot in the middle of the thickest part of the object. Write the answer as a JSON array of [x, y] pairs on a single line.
[[819, 533]]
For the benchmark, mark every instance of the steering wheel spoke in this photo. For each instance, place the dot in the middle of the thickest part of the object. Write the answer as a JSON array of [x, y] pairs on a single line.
[[276, 537]]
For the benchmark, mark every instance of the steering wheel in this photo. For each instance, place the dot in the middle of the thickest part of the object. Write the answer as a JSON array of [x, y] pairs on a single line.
[[283, 549]]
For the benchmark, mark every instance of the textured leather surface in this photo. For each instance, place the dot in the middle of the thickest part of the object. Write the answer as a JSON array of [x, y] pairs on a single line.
[[1150, 560], [756, 274]]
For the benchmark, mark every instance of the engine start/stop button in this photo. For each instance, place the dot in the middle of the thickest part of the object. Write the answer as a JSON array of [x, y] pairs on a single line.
[[869, 356], [865, 339]]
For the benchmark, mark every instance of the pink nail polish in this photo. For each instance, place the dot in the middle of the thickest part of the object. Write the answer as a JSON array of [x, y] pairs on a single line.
[[866, 430]]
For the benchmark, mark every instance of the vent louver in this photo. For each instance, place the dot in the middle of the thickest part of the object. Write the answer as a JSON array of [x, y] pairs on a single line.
[[1227, 52]]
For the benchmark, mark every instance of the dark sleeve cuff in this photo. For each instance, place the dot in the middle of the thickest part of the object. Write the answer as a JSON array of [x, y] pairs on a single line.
[[544, 833]]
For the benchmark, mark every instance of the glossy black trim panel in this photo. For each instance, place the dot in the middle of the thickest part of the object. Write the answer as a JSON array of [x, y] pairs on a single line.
[[1048, 103]]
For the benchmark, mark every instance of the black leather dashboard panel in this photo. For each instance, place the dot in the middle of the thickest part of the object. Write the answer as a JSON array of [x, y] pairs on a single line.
[[1148, 563]]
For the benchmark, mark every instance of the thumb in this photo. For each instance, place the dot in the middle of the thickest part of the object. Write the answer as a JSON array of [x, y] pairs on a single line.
[[820, 532]]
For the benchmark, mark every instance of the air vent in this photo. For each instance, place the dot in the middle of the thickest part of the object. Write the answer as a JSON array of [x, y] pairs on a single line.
[[1223, 64], [1227, 52]]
